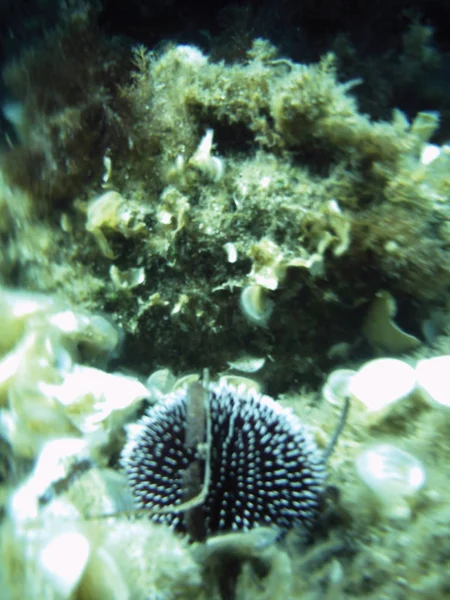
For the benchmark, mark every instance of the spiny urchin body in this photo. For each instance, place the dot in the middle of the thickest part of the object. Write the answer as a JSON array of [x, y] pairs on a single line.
[[265, 468]]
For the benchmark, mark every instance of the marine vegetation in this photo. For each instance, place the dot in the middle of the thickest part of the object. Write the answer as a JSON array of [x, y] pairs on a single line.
[[168, 186], [164, 211]]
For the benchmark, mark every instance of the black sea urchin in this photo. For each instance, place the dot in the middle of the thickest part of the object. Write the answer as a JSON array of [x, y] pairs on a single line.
[[264, 467]]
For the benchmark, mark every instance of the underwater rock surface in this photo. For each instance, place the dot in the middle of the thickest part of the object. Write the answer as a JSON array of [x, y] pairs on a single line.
[[162, 212]]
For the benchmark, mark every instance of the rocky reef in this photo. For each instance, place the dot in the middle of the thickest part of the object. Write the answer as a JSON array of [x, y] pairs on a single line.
[[158, 186], [163, 211]]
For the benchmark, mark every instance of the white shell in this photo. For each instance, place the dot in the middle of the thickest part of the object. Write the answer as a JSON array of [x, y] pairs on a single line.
[[53, 464], [190, 55], [63, 560], [211, 166], [381, 383], [255, 305], [185, 380], [105, 211], [215, 169], [247, 364], [433, 380], [127, 279], [337, 386], [393, 475], [103, 578], [107, 163], [429, 153], [92, 396], [231, 251], [240, 382], [160, 382], [379, 326]]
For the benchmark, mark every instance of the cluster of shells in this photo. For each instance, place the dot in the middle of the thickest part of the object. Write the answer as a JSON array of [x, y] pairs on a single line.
[[46, 389], [382, 391], [64, 416]]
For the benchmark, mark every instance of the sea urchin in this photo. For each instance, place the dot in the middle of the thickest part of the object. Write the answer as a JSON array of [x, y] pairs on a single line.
[[263, 467]]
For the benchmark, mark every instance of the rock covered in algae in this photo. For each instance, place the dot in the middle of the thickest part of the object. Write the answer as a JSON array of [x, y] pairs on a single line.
[[314, 201]]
